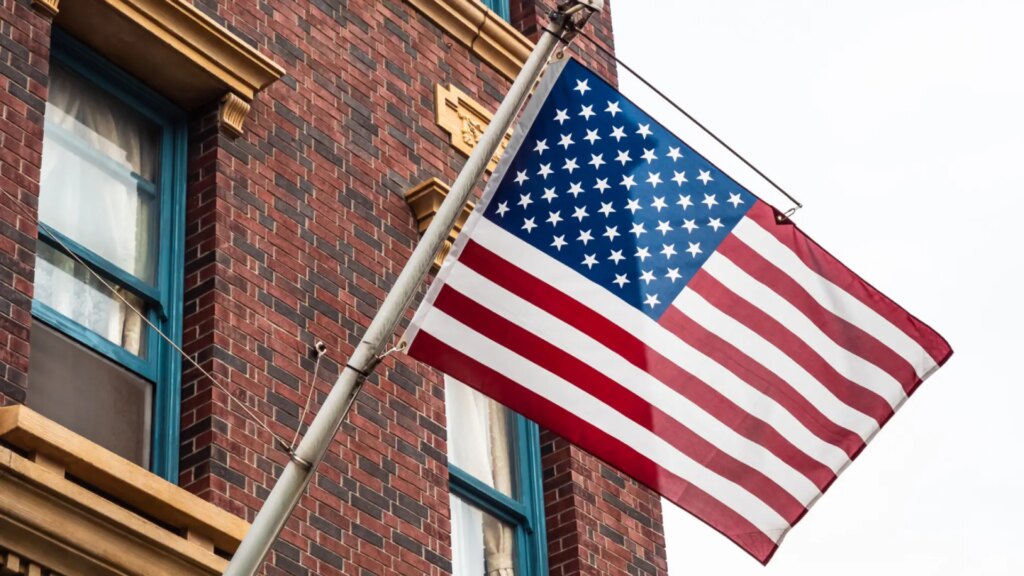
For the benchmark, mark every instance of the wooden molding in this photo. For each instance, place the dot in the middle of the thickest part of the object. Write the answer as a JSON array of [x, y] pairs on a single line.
[[172, 46], [50, 521], [424, 199], [11, 563], [495, 41], [50, 7], [464, 120], [103, 472]]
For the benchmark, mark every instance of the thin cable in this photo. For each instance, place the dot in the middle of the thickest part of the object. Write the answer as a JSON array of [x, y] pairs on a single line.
[[117, 293], [680, 109], [312, 393]]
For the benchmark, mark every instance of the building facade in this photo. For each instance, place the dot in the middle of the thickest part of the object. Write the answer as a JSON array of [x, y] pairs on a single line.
[[248, 177]]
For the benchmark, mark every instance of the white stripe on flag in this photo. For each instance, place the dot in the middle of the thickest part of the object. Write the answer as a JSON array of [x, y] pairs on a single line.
[[581, 346], [851, 366], [593, 296], [765, 353], [834, 298], [846, 363], [600, 415]]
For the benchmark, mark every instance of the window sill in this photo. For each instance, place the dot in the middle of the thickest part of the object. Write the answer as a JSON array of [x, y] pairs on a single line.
[[499, 44], [72, 526]]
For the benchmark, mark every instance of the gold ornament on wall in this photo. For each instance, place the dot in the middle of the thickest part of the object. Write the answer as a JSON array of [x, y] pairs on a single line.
[[465, 120]]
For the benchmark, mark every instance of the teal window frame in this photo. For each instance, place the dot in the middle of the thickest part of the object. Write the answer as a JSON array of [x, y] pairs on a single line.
[[160, 364], [525, 513], [499, 7]]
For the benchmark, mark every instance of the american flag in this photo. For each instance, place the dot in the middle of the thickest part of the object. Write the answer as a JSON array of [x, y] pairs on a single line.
[[619, 289]]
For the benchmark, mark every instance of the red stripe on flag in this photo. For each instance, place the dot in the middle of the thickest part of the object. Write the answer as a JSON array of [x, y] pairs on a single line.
[[819, 260], [841, 331], [593, 382], [847, 391], [765, 381], [582, 433], [618, 340]]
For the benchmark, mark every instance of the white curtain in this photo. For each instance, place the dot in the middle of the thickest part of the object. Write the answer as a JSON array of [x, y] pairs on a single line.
[[467, 539], [92, 146], [479, 443]]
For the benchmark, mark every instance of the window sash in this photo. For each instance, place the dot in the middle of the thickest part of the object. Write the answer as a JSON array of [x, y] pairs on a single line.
[[525, 513], [160, 364], [499, 7]]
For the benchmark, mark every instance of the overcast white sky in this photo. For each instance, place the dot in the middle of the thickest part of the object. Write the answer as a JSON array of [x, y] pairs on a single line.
[[900, 125]]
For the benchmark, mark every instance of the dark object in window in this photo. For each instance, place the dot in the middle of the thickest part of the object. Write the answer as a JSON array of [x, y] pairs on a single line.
[[90, 395]]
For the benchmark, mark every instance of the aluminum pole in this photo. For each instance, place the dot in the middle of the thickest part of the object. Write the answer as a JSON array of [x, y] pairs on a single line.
[[299, 471]]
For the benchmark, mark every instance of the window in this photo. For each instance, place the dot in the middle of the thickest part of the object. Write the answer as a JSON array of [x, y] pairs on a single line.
[[112, 195], [496, 495], [499, 7]]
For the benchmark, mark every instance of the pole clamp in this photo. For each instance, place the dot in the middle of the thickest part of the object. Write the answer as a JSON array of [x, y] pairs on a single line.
[[574, 14], [295, 458]]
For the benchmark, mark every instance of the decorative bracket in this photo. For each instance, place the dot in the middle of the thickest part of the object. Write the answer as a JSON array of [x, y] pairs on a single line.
[[232, 113], [425, 198]]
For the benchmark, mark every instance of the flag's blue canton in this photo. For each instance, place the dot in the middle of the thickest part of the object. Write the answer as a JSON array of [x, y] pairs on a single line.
[[603, 188]]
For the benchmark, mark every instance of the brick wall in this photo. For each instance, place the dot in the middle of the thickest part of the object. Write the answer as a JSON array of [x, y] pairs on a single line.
[[24, 65], [295, 233], [599, 521]]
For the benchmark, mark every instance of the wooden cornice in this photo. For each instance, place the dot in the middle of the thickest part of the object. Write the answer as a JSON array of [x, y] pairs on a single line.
[[173, 47], [494, 40]]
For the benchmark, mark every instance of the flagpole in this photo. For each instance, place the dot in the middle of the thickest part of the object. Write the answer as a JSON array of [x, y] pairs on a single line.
[[305, 458]]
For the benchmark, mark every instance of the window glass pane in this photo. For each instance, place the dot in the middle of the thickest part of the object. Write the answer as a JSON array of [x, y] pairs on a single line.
[[100, 166], [69, 288], [481, 440], [498, 6], [482, 545], [90, 395]]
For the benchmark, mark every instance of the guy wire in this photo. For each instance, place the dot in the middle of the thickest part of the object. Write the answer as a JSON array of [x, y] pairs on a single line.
[[115, 292], [689, 116]]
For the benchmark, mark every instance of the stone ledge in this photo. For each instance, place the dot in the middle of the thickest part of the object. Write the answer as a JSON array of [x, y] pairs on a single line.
[[65, 500], [494, 40]]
